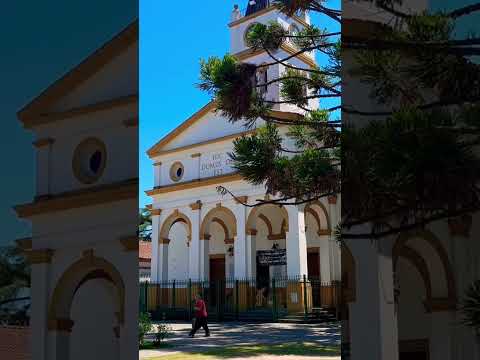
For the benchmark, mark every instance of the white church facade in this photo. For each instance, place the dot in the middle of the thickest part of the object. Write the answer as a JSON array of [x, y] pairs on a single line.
[[199, 234], [84, 215]]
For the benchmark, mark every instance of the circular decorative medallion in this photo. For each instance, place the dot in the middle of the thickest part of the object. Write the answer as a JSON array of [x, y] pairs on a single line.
[[89, 160], [176, 171]]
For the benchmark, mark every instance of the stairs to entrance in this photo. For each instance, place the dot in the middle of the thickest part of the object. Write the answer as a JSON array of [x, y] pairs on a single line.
[[316, 316]]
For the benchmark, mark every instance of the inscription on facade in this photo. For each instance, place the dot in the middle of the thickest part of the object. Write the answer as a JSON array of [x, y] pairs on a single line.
[[215, 164]]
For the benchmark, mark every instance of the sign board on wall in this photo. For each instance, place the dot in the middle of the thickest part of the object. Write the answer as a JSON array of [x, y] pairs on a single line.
[[272, 257], [215, 164]]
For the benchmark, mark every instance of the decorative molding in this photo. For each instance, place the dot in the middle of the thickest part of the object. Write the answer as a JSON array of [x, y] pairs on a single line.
[[164, 241], [197, 205], [229, 241], [196, 155], [323, 232], [94, 195], [241, 199], [43, 142], [280, 236], [40, 256], [132, 122], [217, 256], [289, 49], [31, 114], [252, 16], [213, 180], [60, 325], [130, 243], [156, 212], [157, 163], [251, 232], [156, 150], [313, 250]]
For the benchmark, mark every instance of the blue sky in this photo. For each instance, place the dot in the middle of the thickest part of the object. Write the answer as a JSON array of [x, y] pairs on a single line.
[[42, 40], [172, 42]]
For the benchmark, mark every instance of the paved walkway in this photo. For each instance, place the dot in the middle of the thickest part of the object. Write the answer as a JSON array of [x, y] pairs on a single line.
[[245, 334]]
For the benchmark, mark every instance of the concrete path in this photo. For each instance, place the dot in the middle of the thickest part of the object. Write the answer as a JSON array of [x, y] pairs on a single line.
[[244, 334]]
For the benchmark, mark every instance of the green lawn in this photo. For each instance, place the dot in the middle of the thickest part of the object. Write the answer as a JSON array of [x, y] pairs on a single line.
[[303, 349]]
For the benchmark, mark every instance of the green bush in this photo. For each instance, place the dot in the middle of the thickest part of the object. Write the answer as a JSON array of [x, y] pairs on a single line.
[[163, 331], [471, 306], [144, 326]]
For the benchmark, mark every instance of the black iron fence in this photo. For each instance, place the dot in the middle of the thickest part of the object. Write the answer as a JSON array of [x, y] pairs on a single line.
[[241, 299]]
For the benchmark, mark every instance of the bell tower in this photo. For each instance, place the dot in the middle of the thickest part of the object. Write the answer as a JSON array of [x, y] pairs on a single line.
[[264, 12]]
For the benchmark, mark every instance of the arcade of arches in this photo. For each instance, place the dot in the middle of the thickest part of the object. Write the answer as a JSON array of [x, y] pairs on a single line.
[[421, 303], [226, 241]]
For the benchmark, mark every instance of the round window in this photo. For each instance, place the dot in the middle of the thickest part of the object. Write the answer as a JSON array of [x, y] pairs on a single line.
[[177, 171], [89, 160]]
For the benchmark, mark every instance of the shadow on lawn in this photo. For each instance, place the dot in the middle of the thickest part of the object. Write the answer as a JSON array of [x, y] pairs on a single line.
[[300, 349]]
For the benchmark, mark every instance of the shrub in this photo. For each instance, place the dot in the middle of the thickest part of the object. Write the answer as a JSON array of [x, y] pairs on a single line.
[[163, 331], [144, 326]]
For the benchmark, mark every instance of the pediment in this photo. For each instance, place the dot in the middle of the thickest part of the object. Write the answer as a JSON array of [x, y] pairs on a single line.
[[109, 74], [205, 125]]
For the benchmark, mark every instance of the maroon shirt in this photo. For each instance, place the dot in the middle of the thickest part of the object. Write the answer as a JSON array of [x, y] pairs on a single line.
[[202, 309]]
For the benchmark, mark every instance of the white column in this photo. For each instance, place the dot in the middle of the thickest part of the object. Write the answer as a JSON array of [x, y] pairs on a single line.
[[155, 264], [194, 214], [196, 164], [251, 245], [61, 345], [374, 304], [296, 241], [157, 174], [44, 166], [204, 257], [325, 260], [240, 244], [440, 339], [40, 292]]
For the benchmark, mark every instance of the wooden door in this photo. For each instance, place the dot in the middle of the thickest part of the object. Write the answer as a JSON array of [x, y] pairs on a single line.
[[313, 266], [217, 281]]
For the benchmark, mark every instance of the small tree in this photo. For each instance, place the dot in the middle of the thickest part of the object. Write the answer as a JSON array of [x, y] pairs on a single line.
[[145, 225], [144, 326], [471, 307]]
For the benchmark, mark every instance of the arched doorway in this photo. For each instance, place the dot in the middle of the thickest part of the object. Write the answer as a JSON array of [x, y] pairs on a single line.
[[175, 237], [89, 276], [425, 295], [217, 232], [320, 258], [267, 226]]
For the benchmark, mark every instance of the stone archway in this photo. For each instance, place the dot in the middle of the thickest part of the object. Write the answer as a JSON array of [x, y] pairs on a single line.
[[174, 238], [89, 267], [217, 233], [404, 247], [426, 292]]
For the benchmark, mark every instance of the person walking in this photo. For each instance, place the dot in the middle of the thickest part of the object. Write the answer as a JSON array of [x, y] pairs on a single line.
[[200, 316]]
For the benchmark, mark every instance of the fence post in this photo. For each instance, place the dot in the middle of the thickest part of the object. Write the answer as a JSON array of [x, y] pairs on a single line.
[[274, 300], [173, 295], [236, 299], [190, 298], [305, 302], [146, 296]]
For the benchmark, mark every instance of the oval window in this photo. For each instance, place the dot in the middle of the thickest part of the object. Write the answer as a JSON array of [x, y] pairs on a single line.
[[176, 171], [89, 160]]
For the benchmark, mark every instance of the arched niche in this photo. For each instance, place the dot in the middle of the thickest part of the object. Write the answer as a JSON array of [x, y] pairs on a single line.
[[429, 264], [257, 213], [222, 216], [172, 219], [320, 214], [348, 275], [87, 268]]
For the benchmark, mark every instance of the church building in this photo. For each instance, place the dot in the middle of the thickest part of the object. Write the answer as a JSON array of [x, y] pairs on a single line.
[[199, 234]]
